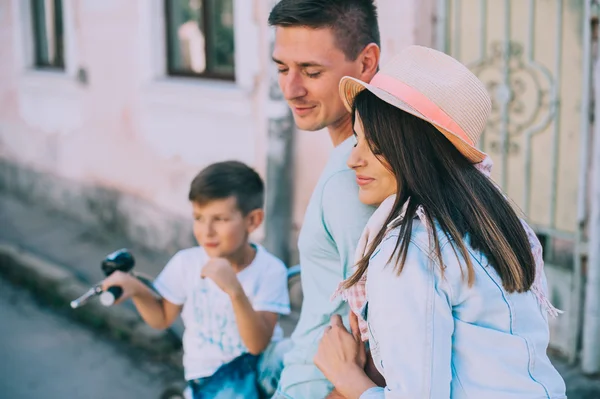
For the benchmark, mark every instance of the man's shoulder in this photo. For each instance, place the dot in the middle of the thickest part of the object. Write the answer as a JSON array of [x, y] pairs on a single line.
[[340, 192], [337, 175], [342, 180], [338, 158]]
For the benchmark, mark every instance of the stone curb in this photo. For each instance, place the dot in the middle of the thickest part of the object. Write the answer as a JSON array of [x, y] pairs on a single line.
[[57, 286]]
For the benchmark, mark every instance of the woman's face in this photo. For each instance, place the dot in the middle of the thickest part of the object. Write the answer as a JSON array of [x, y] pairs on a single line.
[[375, 181]]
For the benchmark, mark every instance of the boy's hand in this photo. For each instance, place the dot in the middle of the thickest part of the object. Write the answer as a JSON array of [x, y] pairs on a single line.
[[220, 271], [124, 280]]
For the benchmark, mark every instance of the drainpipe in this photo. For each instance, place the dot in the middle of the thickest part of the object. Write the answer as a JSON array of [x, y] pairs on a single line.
[[590, 357], [279, 179]]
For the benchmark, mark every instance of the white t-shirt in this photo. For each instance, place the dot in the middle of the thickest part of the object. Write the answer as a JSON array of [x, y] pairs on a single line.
[[211, 337]]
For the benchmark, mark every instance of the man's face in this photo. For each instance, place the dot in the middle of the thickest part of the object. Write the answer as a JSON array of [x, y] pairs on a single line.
[[310, 69]]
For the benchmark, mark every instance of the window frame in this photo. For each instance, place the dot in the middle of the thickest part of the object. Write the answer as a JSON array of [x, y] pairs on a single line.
[[60, 43], [208, 45]]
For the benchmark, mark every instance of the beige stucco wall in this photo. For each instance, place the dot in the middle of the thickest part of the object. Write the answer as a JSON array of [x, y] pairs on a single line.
[[127, 129], [130, 128], [133, 130]]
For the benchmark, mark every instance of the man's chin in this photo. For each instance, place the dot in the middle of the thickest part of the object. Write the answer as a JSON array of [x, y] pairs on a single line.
[[306, 125]]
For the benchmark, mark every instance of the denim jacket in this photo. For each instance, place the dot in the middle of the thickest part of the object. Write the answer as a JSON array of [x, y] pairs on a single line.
[[436, 337]]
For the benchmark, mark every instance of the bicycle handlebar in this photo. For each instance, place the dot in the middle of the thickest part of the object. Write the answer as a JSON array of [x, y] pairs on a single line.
[[121, 260], [110, 296]]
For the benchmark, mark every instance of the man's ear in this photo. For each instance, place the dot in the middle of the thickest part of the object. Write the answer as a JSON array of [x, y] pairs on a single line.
[[369, 58], [254, 219]]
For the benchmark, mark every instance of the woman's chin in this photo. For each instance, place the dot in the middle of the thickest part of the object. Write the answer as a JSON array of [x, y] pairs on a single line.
[[370, 198]]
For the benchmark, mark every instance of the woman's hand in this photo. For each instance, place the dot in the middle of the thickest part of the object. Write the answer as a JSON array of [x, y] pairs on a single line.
[[341, 357]]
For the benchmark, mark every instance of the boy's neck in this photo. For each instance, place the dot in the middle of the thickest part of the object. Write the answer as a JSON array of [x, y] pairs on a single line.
[[340, 130], [242, 258]]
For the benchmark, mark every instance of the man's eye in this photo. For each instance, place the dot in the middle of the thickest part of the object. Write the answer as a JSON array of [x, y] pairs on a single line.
[[313, 75], [281, 70]]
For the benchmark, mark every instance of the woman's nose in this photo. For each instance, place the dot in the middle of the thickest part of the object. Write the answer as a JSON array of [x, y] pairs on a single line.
[[355, 159]]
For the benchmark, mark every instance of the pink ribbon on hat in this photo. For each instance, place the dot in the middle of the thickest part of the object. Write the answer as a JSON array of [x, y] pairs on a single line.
[[419, 102]]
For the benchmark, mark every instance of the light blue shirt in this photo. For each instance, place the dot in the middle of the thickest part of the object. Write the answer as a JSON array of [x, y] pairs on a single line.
[[332, 226], [433, 336]]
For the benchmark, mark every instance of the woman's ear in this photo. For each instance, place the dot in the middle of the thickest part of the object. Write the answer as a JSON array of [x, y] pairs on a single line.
[[254, 219]]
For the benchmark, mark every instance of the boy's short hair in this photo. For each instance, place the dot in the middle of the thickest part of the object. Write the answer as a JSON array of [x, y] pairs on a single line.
[[229, 179], [354, 22]]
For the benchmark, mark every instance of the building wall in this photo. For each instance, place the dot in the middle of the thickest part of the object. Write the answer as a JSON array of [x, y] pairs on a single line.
[[125, 143], [114, 140]]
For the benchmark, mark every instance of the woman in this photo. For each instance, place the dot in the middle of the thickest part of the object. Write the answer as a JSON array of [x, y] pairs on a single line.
[[454, 304]]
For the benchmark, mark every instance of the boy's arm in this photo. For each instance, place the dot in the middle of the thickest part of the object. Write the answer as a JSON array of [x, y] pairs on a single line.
[[157, 312], [256, 328]]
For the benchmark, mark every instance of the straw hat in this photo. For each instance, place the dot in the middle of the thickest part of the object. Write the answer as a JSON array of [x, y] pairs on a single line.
[[434, 87]]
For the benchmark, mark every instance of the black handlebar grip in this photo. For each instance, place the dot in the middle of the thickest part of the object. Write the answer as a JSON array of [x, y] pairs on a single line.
[[121, 260], [108, 297]]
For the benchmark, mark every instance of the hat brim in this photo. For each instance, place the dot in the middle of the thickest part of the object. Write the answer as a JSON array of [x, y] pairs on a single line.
[[350, 87]]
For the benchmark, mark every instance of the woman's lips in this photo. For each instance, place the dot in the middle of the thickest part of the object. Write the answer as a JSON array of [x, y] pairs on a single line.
[[363, 180]]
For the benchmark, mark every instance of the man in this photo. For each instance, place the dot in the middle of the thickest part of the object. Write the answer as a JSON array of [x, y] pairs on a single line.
[[317, 42]]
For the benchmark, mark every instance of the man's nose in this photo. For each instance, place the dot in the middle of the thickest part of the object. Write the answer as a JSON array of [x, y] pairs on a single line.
[[293, 87]]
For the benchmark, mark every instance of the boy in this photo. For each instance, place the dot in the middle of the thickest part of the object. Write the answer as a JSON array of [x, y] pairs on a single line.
[[228, 290]]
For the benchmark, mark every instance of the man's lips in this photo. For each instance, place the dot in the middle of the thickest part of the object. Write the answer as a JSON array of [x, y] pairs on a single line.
[[302, 110]]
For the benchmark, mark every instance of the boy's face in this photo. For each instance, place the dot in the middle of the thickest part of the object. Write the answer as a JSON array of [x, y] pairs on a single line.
[[221, 228], [310, 69]]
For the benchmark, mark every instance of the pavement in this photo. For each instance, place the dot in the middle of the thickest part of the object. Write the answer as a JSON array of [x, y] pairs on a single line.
[[48, 355], [58, 258]]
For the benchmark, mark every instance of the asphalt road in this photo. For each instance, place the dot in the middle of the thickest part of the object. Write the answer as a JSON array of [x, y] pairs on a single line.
[[44, 354]]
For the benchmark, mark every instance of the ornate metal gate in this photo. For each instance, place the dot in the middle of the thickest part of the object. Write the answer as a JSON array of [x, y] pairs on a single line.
[[535, 56]]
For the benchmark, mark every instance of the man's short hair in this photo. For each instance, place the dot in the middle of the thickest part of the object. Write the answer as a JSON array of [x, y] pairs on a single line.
[[229, 179], [354, 22]]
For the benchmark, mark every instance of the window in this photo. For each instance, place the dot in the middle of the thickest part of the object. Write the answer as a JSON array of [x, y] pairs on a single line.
[[48, 33], [200, 38]]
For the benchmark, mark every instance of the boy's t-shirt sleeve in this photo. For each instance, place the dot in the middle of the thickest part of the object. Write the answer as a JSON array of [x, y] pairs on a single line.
[[170, 282], [272, 294], [344, 216]]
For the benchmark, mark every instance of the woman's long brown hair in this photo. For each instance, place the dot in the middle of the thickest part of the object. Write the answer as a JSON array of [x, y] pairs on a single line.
[[462, 201]]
